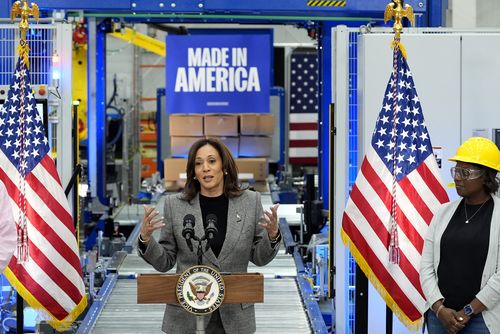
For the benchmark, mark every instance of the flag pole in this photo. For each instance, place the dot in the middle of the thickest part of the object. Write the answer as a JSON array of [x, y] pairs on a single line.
[[21, 8], [395, 10], [19, 314]]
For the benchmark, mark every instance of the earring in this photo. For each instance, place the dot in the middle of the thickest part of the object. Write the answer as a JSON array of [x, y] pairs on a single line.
[[225, 173], [194, 178]]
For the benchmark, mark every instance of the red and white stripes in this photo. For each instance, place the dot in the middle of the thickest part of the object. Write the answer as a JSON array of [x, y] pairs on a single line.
[[303, 139], [367, 220], [52, 276]]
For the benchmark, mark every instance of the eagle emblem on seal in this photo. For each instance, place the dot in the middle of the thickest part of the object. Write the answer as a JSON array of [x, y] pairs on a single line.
[[200, 291]]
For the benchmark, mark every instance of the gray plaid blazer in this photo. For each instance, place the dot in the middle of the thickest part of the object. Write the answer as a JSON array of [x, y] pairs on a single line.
[[245, 241]]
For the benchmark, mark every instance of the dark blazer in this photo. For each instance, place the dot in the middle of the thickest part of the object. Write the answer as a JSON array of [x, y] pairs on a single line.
[[245, 241]]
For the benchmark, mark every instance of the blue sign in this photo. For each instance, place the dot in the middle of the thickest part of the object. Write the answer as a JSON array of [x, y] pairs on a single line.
[[218, 73]]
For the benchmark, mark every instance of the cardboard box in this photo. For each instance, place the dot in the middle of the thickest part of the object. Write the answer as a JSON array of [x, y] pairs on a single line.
[[256, 124], [179, 146], [186, 125], [255, 146], [232, 143], [173, 167], [221, 125], [257, 166]]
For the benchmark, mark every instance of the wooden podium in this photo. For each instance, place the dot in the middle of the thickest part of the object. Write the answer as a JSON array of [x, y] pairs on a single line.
[[160, 288]]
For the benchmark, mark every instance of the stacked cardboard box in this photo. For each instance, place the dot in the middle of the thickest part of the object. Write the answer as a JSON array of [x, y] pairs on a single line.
[[247, 136], [255, 166], [256, 131], [224, 127], [175, 168], [185, 129]]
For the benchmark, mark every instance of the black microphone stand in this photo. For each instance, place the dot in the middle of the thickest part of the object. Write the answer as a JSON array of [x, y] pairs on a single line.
[[210, 232], [188, 234], [200, 251]]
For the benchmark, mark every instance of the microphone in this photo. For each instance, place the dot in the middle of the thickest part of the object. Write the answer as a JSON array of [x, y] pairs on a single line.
[[211, 229], [188, 231]]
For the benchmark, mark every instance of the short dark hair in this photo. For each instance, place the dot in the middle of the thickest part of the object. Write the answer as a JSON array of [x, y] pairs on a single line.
[[231, 184]]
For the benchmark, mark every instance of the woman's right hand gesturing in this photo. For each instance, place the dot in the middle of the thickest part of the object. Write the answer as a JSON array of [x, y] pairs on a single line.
[[151, 223]]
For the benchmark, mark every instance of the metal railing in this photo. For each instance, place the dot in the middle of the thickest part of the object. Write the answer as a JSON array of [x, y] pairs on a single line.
[[41, 40]]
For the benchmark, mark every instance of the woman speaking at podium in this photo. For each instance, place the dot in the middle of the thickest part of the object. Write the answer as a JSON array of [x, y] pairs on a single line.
[[245, 232]]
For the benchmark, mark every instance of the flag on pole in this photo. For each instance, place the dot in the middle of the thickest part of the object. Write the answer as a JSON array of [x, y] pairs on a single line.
[[8, 233], [46, 269], [396, 193], [304, 106]]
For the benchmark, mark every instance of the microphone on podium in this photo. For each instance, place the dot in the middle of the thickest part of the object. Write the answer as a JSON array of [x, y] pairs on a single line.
[[188, 231], [211, 229]]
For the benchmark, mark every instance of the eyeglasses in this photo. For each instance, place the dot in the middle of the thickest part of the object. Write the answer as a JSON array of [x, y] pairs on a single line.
[[459, 173]]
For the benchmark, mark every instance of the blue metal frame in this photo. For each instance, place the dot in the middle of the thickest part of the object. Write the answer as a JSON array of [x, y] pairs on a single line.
[[306, 291], [280, 92], [96, 115], [353, 163], [311, 304], [85, 5], [160, 93], [286, 234], [437, 13], [258, 7], [5, 8], [132, 238], [325, 60], [98, 304]]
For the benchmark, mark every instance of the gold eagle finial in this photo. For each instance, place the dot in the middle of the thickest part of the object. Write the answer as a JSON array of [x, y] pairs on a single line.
[[21, 8], [395, 10]]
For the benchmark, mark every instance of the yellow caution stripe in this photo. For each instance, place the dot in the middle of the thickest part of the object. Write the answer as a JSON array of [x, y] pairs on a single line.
[[326, 3]]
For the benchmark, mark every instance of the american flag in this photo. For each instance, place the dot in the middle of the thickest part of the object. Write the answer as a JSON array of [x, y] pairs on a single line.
[[46, 269], [303, 137], [7, 229], [397, 191]]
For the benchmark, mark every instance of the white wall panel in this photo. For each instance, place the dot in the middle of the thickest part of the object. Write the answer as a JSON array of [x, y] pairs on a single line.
[[480, 84]]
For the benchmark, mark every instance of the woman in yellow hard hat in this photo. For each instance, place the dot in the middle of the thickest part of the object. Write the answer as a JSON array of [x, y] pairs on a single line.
[[460, 266]]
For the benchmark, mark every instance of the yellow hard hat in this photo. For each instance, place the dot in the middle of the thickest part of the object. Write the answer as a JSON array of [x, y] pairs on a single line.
[[479, 150]]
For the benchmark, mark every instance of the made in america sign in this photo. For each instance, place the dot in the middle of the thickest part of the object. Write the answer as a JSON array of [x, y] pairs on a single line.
[[218, 73]]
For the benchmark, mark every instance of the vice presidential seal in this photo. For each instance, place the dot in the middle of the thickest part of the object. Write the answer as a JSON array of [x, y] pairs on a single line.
[[200, 290]]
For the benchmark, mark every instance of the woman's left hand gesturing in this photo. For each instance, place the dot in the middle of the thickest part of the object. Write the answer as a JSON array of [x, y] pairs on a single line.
[[269, 221]]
